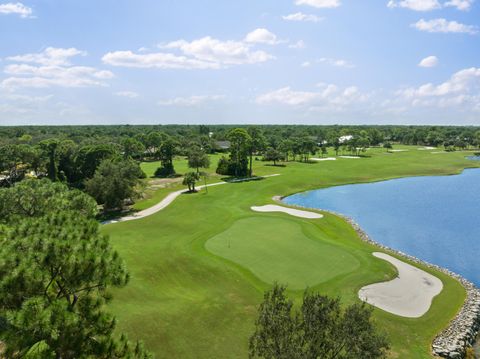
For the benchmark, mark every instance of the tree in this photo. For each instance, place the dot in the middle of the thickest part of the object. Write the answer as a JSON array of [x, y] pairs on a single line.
[[286, 147], [256, 144], [197, 158], [14, 160], [239, 150], [190, 179], [273, 155], [324, 150], [132, 148], [166, 152], [320, 329], [306, 147], [54, 274], [388, 146], [89, 158], [37, 197], [113, 183], [49, 148]]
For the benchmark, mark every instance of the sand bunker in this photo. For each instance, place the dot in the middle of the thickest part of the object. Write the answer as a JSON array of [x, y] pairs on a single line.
[[323, 159], [398, 150], [409, 295], [427, 148], [350, 157], [290, 211]]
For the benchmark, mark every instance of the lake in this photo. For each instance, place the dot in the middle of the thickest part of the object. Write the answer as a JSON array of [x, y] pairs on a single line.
[[435, 218]]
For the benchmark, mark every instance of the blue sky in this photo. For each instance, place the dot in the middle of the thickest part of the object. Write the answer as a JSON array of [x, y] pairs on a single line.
[[250, 61]]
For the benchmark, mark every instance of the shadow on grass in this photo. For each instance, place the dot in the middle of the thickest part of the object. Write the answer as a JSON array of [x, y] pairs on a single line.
[[232, 179]]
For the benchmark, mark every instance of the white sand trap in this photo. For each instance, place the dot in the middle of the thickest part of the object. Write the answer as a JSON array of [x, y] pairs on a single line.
[[290, 211], [398, 150], [323, 159], [427, 148], [409, 295], [350, 157]]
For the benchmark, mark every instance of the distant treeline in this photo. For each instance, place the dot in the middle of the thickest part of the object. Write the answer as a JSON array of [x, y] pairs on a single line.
[[458, 136]]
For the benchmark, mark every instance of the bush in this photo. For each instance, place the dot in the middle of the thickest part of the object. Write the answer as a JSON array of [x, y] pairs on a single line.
[[223, 167], [165, 171]]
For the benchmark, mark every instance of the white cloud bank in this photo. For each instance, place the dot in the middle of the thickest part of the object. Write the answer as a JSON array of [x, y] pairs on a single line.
[[328, 96], [444, 26], [261, 36], [49, 68], [429, 5], [190, 101], [430, 61], [462, 89], [319, 3], [16, 8], [299, 16], [204, 53]]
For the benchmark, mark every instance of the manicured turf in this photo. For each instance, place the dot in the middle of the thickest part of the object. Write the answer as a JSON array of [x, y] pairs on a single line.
[[186, 302], [277, 250]]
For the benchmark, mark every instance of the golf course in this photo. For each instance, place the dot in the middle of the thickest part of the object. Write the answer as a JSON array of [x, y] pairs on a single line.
[[199, 267]]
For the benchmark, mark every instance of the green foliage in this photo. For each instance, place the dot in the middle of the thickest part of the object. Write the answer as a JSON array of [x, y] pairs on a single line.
[[54, 275], [132, 148], [321, 329], [197, 158], [239, 151], [165, 171], [190, 179], [114, 182], [38, 197], [49, 148], [223, 166], [273, 155]]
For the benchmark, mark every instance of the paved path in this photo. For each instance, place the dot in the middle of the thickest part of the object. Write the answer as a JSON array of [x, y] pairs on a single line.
[[170, 198]]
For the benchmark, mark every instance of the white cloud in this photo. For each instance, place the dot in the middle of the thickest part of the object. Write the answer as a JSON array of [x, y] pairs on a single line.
[[299, 16], [444, 26], [155, 60], [300, 44], [463, 5], [51, 56], [204, 53], [306, 64], [16, 8], [460, 90], [328, 95], [430, 61], [52, 68], [417, 5], [337, 62], [428, 5], [261, 36], [129, 94], [319, 3], [190, 101]]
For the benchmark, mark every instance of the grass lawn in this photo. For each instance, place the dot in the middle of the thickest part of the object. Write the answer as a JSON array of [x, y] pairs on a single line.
[[277, 249], [199, 267]]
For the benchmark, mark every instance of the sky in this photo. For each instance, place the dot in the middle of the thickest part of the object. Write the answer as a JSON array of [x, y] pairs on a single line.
[[236, 62]]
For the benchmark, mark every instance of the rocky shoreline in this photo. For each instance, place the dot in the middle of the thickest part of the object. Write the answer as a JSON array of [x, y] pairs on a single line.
[[462, 331]]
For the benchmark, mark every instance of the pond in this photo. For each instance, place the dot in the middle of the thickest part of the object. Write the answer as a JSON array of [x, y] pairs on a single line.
[[435, 218]]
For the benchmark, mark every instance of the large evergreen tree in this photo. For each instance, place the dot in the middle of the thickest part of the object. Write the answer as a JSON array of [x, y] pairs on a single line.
[[55, 271], [319, 330]]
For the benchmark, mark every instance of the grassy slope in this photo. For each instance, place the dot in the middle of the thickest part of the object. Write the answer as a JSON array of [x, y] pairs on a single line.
[[185, 302]]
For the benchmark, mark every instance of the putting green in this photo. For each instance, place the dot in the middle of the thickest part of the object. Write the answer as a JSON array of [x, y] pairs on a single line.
[[278, 250]]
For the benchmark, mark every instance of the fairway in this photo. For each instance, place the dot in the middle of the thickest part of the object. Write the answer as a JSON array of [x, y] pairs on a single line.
[[191, 296], [277, 250]]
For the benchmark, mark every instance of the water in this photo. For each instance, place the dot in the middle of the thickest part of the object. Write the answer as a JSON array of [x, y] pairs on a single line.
[[433, 218]]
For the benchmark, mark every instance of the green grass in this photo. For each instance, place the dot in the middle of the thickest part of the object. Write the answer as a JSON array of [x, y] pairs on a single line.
[[278, 250], [186, 302]]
